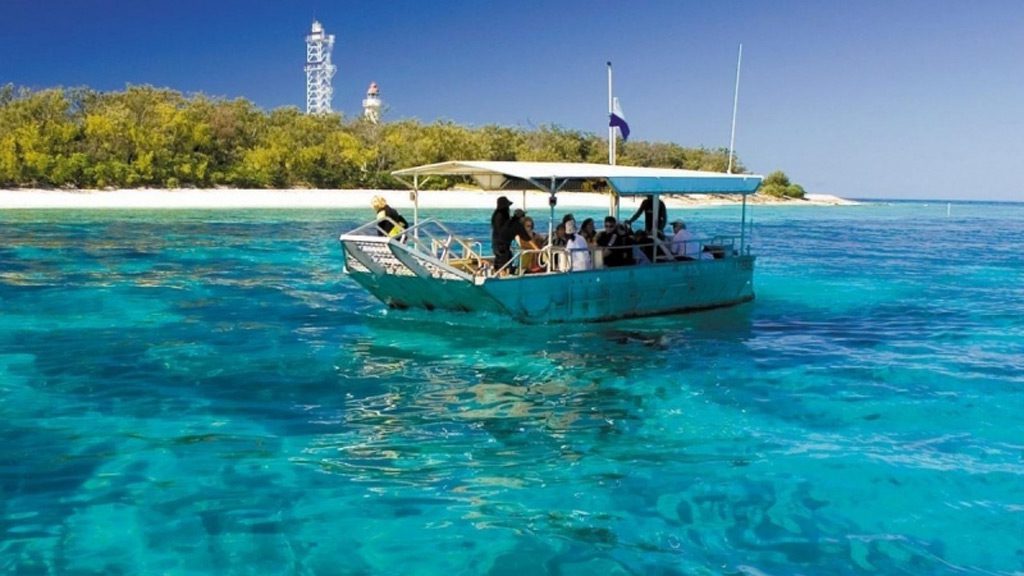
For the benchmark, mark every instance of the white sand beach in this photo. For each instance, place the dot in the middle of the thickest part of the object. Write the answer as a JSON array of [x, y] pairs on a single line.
[[230, 198]]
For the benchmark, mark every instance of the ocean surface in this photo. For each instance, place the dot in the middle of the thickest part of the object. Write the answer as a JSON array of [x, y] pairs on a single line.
[[205, 392]]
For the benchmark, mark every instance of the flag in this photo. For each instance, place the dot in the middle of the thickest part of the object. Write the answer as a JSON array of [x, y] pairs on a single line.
[[617, 121]]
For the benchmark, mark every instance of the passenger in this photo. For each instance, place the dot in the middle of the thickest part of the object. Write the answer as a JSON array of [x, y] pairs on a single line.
[[579, 252], [535, 237], [612, 242], [531, 241], [560, 239], [628, 242], [683, 246], [389, 221], [565, 222], [513, 230], [588, 232], [647, 209], [607, 232], [500, 217], [643, 248]]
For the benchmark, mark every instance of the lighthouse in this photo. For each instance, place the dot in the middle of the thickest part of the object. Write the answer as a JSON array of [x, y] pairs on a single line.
[[371, 104]]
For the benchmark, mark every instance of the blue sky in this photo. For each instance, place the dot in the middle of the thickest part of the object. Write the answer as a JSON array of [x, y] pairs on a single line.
[[884, 99]]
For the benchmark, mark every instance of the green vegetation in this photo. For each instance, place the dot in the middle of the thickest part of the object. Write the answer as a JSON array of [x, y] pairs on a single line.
[[150, 137], [777, 184]]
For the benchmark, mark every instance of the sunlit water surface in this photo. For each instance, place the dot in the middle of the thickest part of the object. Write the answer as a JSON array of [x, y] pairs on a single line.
[[206, 392]]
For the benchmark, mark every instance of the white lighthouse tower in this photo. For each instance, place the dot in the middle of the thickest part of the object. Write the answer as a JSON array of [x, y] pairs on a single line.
[[319, 70], [371, 104]]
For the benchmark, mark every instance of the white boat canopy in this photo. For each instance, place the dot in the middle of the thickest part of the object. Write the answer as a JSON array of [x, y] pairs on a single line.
[[568, 176]]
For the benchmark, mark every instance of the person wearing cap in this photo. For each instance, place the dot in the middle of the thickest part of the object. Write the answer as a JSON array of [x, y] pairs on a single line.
[[389, 221], [683, 245], [513, 230], [499, 218]]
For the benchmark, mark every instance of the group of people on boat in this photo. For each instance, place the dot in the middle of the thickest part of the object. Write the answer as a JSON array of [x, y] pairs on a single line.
[[617, 244]]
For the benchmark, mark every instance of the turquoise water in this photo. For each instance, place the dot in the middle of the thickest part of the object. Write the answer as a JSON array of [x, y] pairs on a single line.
[[205, 392]]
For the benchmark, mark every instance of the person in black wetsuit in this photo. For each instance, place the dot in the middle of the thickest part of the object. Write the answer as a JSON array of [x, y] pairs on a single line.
[[647, 209], [389, 221], [499, 218], [506, 236]]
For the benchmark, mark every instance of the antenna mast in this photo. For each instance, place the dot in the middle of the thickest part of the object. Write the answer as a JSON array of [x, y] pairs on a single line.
[[319, 70], [735, 105]]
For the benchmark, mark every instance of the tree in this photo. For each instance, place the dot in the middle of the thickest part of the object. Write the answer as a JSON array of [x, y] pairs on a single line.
[[148, 136], [777, 184]]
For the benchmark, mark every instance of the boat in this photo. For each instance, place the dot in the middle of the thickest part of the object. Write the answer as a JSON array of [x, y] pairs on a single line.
[[431, 267]]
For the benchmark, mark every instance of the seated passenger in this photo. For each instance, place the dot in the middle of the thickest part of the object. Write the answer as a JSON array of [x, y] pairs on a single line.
[[614, 243], [588, 232], [643, 248], [683, 247], [579, 252], [532, 241], [559, 240]]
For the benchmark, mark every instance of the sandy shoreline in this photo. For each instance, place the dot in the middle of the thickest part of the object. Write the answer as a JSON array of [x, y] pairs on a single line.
[[280, 199]]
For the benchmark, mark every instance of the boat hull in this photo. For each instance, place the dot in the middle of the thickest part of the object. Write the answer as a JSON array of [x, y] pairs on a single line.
[[592, 295]]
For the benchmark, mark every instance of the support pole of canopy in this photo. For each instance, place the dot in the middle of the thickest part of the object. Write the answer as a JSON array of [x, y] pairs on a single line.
[[416, 203], [551, 225], [743, 226], [655, 232]]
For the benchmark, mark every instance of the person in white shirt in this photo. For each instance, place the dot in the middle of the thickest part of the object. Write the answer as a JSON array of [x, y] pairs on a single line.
[[579, 252], [684, 246]]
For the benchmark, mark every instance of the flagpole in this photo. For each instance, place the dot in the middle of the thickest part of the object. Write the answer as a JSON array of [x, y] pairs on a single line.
[[611, 129], [735, 104]]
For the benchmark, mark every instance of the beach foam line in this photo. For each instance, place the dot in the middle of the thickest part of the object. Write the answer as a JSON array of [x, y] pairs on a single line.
[[231, 198]]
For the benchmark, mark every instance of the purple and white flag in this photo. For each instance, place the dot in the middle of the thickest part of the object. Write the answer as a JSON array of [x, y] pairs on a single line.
[[617, 120]]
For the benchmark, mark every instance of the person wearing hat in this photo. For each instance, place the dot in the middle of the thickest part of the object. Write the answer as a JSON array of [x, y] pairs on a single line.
[[389, 221], [499, 218], [683, 245], [579, 251]]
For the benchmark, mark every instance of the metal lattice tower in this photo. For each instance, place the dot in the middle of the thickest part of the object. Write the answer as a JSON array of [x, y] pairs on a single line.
[[319, 70]]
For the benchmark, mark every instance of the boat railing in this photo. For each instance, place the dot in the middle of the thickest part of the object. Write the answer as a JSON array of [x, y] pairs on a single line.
[[716, 247], [546, 260], [371, 228], [429, 236], [432, 237]]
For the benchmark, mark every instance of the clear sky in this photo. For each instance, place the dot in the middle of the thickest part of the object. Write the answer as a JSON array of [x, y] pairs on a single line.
[[880, 99]]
